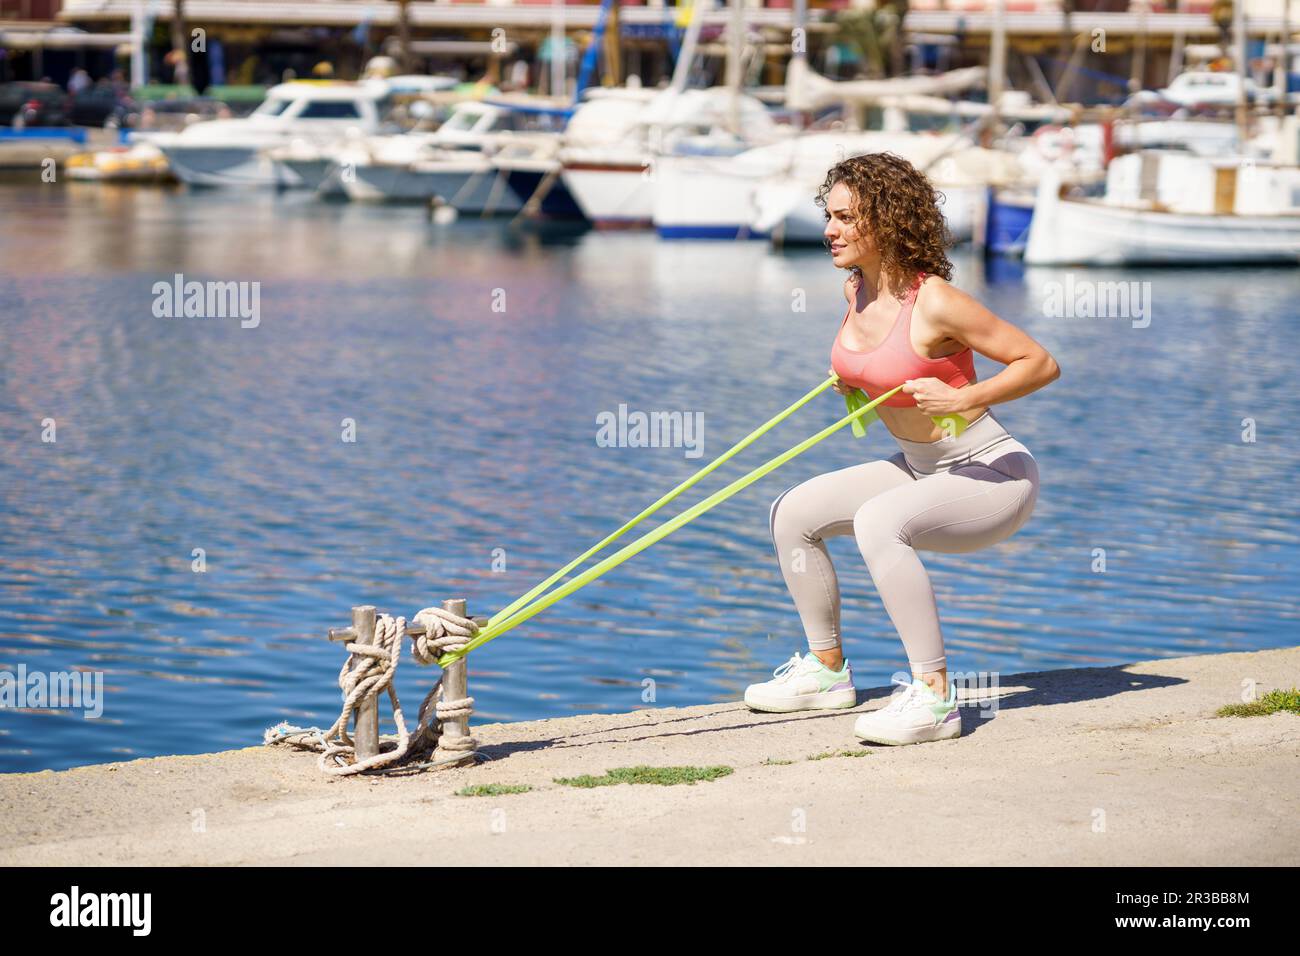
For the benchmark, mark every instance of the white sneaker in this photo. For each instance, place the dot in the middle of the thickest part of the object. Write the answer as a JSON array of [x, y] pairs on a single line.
[[803, 683], [916, 715]]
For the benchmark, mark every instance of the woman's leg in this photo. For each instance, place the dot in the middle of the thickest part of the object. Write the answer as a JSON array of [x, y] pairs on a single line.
[[964, 509], [801, 518]]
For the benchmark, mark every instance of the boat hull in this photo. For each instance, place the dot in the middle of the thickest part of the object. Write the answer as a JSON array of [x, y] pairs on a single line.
[[1090, 232], [472, 189], [304, 173], [1006, 229], [612, 196], [700, 198], [558, 203], [225, 166], [381, 182]]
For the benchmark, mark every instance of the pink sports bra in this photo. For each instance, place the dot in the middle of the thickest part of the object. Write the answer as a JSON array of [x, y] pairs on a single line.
[[894, 360]]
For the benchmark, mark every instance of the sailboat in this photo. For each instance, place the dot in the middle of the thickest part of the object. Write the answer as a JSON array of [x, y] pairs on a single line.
[[768, 191], [784, 206]]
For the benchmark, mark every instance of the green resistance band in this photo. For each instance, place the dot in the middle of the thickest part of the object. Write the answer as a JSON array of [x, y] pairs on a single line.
[[504, 614], [500, 623], [952, 423]]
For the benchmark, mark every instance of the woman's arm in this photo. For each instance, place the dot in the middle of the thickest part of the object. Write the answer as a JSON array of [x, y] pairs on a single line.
[[959, 316]]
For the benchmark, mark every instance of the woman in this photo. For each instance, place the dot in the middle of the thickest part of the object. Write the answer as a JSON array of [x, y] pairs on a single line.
[[946, 490]]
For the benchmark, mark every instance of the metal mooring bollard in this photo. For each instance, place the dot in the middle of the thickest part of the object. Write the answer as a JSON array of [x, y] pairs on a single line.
[[455, 679], [366, 733]]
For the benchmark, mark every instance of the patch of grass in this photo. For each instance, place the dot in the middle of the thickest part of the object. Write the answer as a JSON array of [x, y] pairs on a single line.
[[1270, 703], [840, 753], [663, 776], [492, 789], [769, 762]]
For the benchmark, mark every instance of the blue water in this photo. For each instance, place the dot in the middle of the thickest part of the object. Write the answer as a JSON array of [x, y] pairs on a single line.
[[476, 442]]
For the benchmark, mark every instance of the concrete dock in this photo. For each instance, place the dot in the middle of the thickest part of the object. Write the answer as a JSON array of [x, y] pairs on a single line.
[[1096, 766], [27, 153]]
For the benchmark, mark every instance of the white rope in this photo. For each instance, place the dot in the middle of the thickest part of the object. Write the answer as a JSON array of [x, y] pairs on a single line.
[[367, 672], [445, 633]]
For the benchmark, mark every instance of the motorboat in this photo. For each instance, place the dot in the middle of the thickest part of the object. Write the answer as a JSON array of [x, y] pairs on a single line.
[[379, 168], [454, 162], [235, 152]]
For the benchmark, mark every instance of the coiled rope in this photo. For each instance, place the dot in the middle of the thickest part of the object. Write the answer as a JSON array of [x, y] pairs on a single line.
[[368, 672]]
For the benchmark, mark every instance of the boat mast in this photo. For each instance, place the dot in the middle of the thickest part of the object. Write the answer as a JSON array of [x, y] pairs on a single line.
[[1239, 27], [997, 64], [558, 51], [686, 55], [1176, 55], [735, 39], [1282, 72], [1138, 68], [799, 48], [139, 65]]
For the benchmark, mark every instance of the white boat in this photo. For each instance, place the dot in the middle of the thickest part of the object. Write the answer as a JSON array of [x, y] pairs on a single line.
[[1077, 154], [454, 162], [784, 199], [605, 159], [466, 180], [379, 168], [1173, 208], [611, 150], [1195, 88], [236, 152], [769, 191], [302, 163], [1202, 137]]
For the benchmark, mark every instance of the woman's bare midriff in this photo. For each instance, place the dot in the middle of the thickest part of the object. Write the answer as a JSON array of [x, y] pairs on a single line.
[[911, 424]]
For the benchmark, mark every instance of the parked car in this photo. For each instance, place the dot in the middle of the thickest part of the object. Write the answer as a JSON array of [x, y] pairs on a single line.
[[32, 104]]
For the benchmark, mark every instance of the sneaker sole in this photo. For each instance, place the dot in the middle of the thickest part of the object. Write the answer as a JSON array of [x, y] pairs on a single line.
[[830, 700], [922, 735]]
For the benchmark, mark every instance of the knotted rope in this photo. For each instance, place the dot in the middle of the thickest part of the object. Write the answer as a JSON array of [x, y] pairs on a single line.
[[444, 633], [367, 672]]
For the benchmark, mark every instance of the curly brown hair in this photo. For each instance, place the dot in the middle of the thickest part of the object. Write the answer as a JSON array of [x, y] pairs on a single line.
[[901, 209]]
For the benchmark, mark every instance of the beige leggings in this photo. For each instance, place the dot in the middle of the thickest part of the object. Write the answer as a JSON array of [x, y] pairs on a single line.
[[958, 494]]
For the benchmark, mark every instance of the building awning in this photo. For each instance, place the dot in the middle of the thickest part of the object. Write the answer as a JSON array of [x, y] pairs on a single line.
[[427, 13], [60, 38]]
